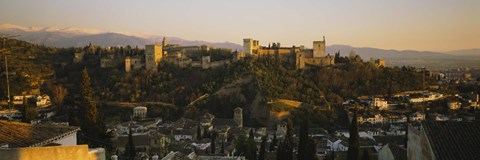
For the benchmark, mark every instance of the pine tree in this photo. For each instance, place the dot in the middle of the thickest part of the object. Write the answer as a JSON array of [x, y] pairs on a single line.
[[130, 147], [263, 146], [354, 140]]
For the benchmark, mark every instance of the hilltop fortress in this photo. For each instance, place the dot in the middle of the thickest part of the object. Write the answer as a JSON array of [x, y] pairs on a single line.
[[173, 53], [300, 56]]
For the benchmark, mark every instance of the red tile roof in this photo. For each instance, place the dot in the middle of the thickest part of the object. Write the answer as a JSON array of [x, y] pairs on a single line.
[[17, 134]]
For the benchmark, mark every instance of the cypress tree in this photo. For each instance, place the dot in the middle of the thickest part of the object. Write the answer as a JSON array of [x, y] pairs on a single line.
[[212, 143], [88, 106], [263, 146], [252, 145], [354, 139], [311, 151], [273, 144], [285, 149], [366, 155], [130, 147], [222, 149], [280, 152], [199, 133], [288, 142], [303, 139]]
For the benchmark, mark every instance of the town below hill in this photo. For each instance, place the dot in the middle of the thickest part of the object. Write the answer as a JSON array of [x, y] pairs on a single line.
[[203, 102]]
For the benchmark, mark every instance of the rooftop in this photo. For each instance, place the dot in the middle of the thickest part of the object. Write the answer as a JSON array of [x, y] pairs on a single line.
[[453, 140], [17, 134]]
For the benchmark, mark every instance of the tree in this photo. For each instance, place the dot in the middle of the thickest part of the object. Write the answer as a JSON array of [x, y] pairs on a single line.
[[280, 152], [252, 145], [263, 146], [88, 101], [29, 112], [58, 95], [87, 113], [273, 143], [288, 142], [199, 133], [354, 139], [130, 147], [285, 149], [303, 139], [212, 143], [222, 149], [56, 92], [311, 152], [366, 155]]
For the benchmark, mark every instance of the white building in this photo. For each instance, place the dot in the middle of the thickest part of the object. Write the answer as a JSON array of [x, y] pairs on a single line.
[[43, 101], [10, 113], [454, 105], [140, 112], [380, 103]]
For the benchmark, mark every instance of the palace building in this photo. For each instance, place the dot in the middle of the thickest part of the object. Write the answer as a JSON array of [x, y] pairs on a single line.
[[300, 56]]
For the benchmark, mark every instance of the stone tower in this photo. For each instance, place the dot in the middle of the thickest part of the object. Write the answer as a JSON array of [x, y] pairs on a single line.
[[153, 55], [250, 46], [128, 64], [164, 42], [299, 61], [238, 116], [319, 48]]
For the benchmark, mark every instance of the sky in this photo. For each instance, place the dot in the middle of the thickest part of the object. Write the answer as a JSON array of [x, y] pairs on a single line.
[[433, 25]]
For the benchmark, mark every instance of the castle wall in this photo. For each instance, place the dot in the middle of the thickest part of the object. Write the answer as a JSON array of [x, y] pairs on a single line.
[[320, 61]]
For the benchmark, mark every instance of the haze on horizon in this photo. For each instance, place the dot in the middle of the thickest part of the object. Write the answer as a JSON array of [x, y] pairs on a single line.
[[433, 25]]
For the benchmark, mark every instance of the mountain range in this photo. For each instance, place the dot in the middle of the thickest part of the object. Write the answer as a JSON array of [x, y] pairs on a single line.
[[77, 37]]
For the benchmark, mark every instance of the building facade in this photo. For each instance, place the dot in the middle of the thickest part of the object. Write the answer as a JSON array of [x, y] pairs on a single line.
[[153, 55]]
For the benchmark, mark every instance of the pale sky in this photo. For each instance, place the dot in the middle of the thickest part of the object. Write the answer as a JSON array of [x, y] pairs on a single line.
[[436, 25]]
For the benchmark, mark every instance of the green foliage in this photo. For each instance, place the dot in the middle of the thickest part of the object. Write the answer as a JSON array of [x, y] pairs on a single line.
[[244, 146], [213, 137], [29, 112], [199, 133], [263, 145], [273, 144], [252, 145], [130, 151], [303, 138], [354, 139], [366, 155], [285, 149]]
